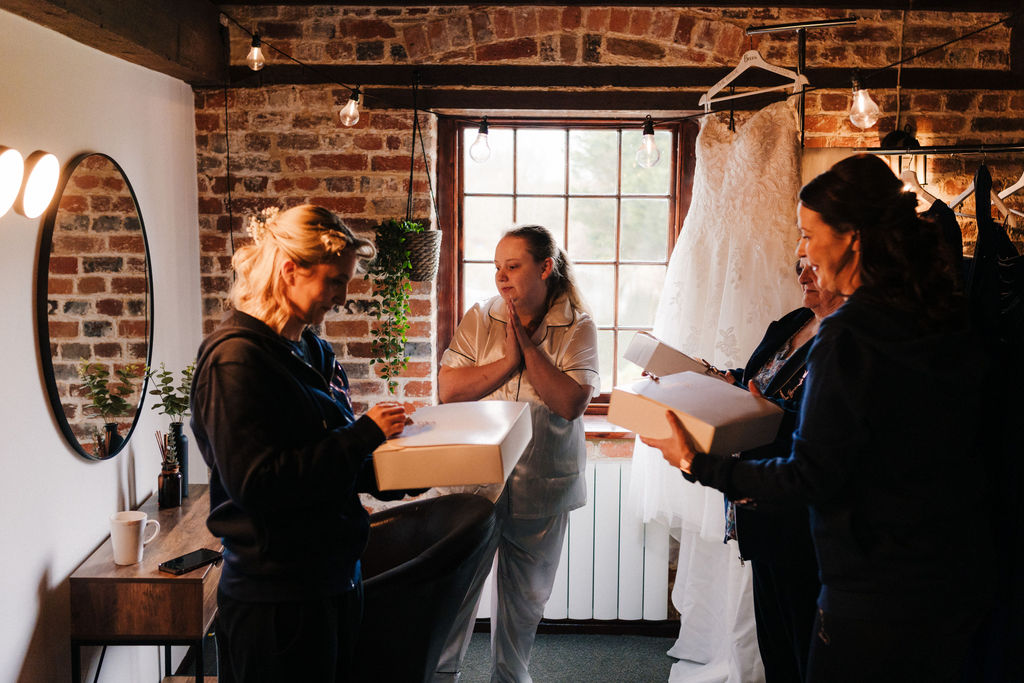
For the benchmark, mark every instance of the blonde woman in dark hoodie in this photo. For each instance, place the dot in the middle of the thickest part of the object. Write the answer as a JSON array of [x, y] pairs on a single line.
[[287, 455]]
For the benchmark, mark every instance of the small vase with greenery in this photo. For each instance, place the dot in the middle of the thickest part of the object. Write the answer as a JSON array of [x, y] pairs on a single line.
[[389, 272], [108, 397], [174, 402]]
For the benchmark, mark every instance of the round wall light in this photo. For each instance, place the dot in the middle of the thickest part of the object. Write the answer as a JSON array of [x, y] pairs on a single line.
[[12, 171], [42, 171]]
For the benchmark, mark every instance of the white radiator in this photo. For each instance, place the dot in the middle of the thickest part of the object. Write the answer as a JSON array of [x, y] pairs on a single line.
[[613, 565]]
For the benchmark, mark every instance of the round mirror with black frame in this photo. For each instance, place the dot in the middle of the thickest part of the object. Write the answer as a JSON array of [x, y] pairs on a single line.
[[94, 306]]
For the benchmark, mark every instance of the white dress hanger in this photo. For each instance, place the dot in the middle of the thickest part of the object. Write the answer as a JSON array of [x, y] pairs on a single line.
[[1008, 213], [909, 178], [1016, 187], [959, 199], [752, 58]]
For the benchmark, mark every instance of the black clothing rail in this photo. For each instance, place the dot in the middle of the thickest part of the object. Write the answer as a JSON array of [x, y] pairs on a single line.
[[949, 149]]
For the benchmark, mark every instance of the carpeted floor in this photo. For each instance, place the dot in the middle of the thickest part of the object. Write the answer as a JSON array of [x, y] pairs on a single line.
[[559, 658], [569, 658]]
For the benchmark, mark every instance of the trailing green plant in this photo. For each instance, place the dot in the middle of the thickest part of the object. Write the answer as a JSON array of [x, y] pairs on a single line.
[[109, 397], [389, 272], [174, 400]]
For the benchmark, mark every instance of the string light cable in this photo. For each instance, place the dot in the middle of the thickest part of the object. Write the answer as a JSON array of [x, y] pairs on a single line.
[[227, 140], [867, 75], [874, 72], [354, 90]]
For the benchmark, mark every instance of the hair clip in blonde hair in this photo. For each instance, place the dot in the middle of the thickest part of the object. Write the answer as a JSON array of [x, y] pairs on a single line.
[[334, 241], [257, 228]]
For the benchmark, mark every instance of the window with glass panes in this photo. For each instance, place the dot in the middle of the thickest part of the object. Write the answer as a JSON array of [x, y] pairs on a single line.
[[613, 217]]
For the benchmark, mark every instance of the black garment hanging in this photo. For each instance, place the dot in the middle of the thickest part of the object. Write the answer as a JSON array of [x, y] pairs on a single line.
[[995, 293], [995, 278], [944, 217]]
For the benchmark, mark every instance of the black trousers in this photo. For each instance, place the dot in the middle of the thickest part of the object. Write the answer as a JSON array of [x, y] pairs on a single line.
[[267, 642], [785, 604], [897, 649]]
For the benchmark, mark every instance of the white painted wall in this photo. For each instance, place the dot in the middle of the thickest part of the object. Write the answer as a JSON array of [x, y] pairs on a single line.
[[65, 98]]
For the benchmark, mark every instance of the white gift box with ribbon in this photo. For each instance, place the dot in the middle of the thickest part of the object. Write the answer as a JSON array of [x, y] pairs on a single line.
[[660, 359]]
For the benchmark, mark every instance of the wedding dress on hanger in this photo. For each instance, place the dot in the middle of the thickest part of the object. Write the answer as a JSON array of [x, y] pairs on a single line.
[[731, 273]]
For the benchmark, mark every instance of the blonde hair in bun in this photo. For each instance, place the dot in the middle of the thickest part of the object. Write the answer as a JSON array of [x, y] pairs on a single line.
[[307, 235]]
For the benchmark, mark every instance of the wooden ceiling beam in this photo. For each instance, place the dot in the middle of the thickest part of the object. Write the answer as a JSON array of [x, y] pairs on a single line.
[[1017, 45], [181, 38], [184, 39], [635, 78], [932, 5]]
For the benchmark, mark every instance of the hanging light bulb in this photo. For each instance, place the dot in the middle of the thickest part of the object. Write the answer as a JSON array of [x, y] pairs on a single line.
[[12, 171], [255, 58], [480, 150], [863, 112], [350, 112], [648, 154]]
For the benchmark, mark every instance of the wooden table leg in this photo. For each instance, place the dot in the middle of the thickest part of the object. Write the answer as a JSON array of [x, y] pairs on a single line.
[[199, 661], [76, 662]]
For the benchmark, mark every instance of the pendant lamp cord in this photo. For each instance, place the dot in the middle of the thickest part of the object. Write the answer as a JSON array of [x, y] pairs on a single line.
[[226, 35], [430, 183], [412, 154], [899, 64], [418, 132]]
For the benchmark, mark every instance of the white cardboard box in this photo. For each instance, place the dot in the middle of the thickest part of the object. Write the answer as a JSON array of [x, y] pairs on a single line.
[[455, 444], [721, 418], [660, 359]]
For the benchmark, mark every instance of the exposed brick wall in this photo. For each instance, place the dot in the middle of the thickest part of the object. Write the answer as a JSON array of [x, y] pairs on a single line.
[[286, 146], [608, 35], [97, 289]]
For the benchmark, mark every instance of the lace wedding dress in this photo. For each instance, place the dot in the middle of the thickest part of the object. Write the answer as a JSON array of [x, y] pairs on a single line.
[[730, 275]]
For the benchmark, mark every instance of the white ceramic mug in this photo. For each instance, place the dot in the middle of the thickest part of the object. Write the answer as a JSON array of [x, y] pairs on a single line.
[[126, 535]]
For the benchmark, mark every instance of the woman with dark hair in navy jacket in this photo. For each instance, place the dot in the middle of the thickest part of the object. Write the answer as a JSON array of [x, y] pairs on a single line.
[[884, 453]]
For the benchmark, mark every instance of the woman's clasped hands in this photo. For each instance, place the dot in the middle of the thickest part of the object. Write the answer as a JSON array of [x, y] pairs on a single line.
[[518, 342]]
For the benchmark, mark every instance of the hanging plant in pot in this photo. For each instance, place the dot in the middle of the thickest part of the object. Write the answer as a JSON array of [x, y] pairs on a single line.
[[424, 245], [424, 252], [109, 399], [407, 251], [174, 402], [389, 271]]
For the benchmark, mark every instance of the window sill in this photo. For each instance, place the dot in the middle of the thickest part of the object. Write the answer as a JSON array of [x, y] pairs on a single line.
[[598, 427]]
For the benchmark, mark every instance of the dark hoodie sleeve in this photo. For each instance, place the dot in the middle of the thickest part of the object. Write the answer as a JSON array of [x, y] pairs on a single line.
[[826, 444], [263, 460]]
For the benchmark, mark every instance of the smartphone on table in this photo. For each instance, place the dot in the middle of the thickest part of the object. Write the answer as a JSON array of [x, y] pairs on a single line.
[[189, 561]]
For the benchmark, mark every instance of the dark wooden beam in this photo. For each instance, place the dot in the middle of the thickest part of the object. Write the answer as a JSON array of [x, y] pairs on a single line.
[[633, 79], [937, 5], [552, 100], [1017, 44], [181, 38]]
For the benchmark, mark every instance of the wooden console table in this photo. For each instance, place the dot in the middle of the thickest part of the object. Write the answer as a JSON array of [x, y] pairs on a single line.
[[140, 605]]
